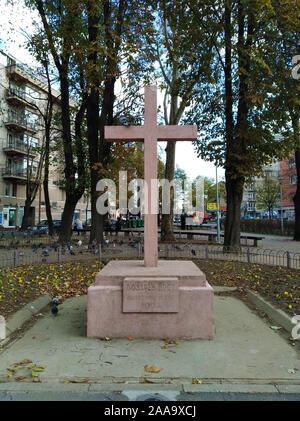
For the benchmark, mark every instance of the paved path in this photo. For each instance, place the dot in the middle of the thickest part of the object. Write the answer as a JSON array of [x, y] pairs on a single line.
[[245, 356]]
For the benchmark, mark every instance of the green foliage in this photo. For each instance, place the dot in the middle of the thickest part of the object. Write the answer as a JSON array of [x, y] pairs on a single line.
[[267, 226], [268, 194]]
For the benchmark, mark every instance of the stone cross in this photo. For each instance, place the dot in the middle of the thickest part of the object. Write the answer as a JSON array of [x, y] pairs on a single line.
[[150, 133]]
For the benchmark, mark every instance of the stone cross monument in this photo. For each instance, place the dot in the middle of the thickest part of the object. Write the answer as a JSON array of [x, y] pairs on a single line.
[[155, 298], [150, 133]]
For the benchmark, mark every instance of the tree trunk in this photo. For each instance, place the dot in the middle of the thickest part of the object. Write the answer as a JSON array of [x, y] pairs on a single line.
[[167, 219], [25, 221], [234, 191], [48, 121], [67, 219], [236, 137]]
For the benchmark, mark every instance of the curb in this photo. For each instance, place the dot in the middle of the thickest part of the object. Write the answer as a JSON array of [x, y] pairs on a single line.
[[275, 314], [138, 392], [20, 317]]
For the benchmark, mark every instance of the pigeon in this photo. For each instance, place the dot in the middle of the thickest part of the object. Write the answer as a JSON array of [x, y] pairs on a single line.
[[124, 121], [45, 252], [54, 308]]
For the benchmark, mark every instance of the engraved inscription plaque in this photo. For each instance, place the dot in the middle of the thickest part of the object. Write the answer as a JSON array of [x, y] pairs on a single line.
[[150, 295]]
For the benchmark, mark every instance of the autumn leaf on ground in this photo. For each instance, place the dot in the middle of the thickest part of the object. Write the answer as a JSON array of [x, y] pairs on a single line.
[[20, 378], [77, 381], [24, 362], [10, 373], [152, 369], [147, 381], [197, 381], [131, 338]]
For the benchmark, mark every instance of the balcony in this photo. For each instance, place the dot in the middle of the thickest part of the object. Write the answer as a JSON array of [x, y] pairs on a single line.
[[19, 123], [21, 73], [14, 174], [17, 97], [17, 175], [15, 146]]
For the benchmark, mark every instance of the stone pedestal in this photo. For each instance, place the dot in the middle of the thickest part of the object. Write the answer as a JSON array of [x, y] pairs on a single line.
[[172, 300]]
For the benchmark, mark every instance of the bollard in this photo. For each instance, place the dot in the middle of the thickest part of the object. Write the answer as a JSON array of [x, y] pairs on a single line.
[[2, 328], [16, 258], [288, 258]]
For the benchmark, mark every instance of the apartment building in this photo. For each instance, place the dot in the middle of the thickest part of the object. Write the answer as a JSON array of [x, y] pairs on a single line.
[[288, 176], [22, 90], [285, 172], [249, 205]]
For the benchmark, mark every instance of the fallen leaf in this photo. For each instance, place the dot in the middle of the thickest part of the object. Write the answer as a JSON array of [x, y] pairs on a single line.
[[152, 369], [164, 347], [147, 381], [131, 338], [10, 373], [18, 379], [197, 381], [77, 381], [34, 374], [24, 362]]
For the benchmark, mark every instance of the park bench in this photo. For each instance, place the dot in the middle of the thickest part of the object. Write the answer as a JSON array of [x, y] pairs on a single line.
[[212, 235]]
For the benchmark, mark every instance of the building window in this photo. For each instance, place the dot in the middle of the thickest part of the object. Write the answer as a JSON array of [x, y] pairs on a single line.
[[7, 189], [251, 206], [293, 179], [14, 190]]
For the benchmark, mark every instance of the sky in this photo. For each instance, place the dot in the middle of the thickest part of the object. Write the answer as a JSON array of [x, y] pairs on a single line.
[[18, 17]]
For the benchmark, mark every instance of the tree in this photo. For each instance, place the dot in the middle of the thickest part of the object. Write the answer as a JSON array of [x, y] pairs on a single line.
[[61, 26], [234, 132], [284, 100], [182, 65], [268, 195]]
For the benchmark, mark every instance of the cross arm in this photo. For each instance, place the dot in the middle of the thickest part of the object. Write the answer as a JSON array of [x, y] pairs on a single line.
[[171, 132], [124, 134]]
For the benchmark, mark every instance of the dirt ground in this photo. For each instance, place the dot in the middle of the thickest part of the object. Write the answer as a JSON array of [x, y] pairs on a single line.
[[21, 285]]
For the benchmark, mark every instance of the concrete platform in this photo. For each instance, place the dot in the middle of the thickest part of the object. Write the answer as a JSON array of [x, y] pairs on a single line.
[[244, 351], [172, 300]]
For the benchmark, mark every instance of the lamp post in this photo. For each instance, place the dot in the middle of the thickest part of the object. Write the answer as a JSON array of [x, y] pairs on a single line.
[[281, 210], [218, 207]]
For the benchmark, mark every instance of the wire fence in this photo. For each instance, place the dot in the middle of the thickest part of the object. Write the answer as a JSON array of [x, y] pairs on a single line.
[[78, 251]]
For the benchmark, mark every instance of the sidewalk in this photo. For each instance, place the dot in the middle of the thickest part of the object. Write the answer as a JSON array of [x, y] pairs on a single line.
[[246, 357]]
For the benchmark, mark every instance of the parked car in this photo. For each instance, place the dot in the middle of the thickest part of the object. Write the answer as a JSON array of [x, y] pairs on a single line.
[[43, 228]]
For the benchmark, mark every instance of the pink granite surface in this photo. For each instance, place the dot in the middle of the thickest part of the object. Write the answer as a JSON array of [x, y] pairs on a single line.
[[150, 133], [192, 319]]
